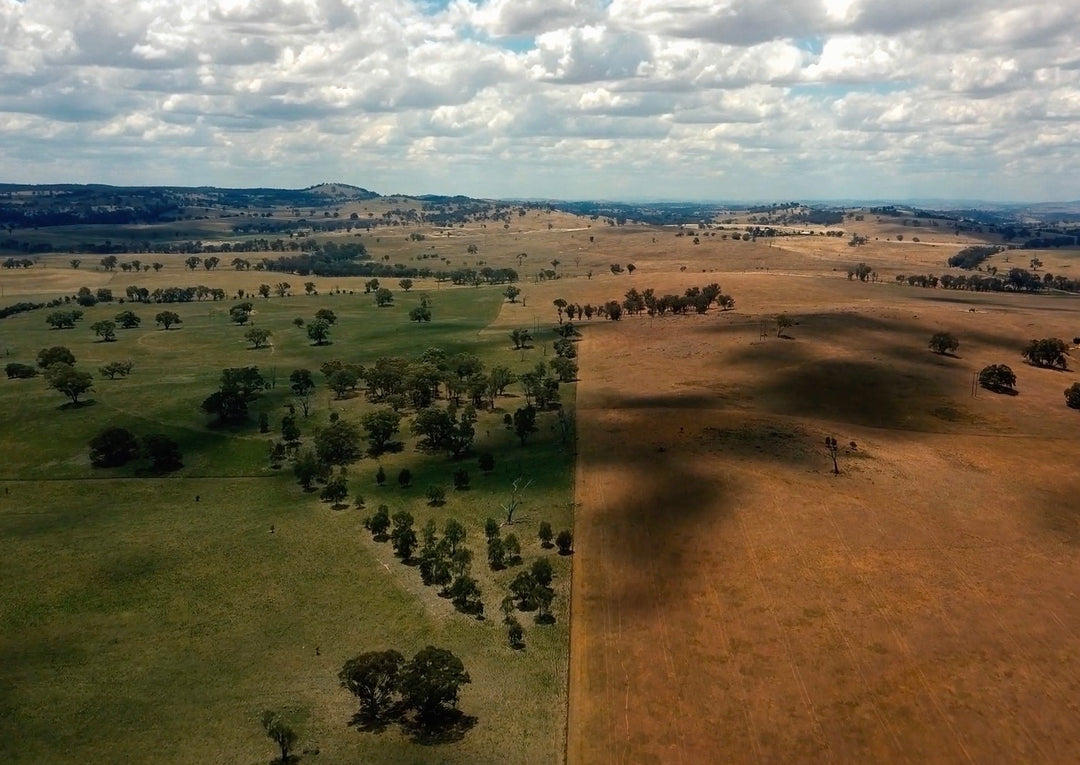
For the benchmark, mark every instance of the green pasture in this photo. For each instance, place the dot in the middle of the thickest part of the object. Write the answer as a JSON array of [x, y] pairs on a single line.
[[152, 619]]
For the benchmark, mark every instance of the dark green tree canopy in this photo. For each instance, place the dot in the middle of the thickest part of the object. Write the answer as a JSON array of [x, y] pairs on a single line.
[[113, 447], [373, 678], [57, 354], [68, 380], [338, 443], [239, 386], [164, 453], [431, 682], [1049, 352], [943, 342]]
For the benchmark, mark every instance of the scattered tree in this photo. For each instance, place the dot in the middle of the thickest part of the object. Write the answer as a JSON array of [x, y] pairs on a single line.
[[128, 319], [68, 380], [379, 523], [241, 314], [465, 595], [302, 385], [318, 331], [1072, 396], [280, 732], [833, 448], [565, 542], [167, 319], [515, 635], [104, 329], [998, 378], [431, 682], [545, 534], [436, 495], [524, 422], [404, 478], [943, 342], [258, 337], [115, 369], [384, 297], [373, 678], [402, 536]]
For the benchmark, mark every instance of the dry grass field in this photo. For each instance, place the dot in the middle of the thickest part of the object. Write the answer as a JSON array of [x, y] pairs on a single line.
[[734, 601]]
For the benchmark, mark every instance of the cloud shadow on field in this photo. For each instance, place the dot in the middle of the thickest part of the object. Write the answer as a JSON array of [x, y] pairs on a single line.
[[657, 500], [855, 392]]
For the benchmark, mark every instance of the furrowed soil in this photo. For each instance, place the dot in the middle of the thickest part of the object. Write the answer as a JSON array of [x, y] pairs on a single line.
[[734, 601]]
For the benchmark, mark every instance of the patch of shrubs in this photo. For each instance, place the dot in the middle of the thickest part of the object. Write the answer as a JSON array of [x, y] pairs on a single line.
[[17, 371]]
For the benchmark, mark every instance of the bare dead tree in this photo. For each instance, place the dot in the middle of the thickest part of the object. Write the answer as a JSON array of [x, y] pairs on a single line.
[[515, 498], [834, 449]]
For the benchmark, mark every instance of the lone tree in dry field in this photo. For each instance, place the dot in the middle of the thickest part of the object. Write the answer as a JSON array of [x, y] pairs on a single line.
[[943, 342], [834, 449], [783, 321], [998, 378], [1072, 396]]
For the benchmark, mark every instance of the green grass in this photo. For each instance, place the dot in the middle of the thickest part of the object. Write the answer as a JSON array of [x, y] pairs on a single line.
[[141, 625]]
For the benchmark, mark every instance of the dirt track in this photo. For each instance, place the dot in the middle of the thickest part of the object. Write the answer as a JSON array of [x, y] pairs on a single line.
[[735, 602]]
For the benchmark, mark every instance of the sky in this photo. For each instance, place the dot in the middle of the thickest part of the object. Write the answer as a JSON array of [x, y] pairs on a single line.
[[569, 99]]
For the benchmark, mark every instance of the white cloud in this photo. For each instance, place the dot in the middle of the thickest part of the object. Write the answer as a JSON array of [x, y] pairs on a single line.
[[767, 98]]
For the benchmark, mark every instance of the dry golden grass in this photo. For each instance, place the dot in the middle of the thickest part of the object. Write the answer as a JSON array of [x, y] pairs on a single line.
[[734, 601]]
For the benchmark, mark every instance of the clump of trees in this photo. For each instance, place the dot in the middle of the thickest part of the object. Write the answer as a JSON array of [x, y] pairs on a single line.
[[1050, 352], [115, 447], [239, 387], [422, 692]]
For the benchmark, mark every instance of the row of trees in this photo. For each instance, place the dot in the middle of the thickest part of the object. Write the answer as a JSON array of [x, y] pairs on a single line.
[[1014, 280]]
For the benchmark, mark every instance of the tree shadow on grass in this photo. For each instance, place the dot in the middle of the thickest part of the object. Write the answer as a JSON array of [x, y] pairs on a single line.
[[70, 405], [390, 447], [446, 729], [368, 724]]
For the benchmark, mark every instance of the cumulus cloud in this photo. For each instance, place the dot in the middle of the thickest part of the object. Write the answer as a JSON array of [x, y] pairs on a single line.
[[764, 98]]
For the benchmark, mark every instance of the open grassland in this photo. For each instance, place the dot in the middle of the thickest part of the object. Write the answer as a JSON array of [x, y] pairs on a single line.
[[143, 624], [734, 601]]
